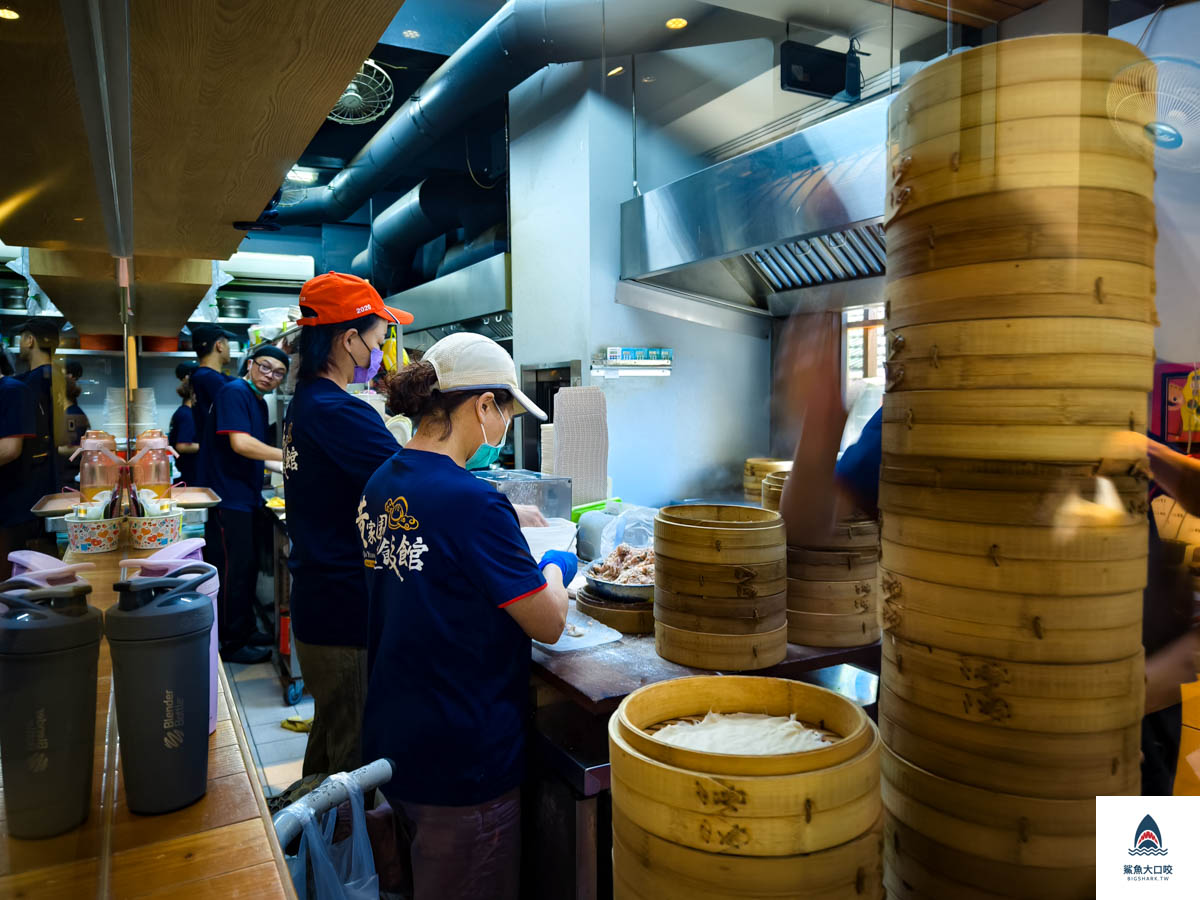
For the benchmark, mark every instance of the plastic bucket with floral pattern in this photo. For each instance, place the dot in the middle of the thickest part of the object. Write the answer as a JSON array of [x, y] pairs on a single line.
[[93, 535], [152, 532]]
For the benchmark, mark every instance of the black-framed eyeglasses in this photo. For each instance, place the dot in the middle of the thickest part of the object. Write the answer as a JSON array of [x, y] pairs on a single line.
[[269, 371]]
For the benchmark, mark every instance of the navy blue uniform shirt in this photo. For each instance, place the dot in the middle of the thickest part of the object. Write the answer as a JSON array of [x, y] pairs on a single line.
[[237, 480], [448, 667], [332, 443], [18, 418], [858, 469], [183, 431], [206, 384], [43, 465]]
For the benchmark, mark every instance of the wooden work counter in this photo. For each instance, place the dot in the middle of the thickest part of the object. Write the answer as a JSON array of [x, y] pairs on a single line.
[[223, 845]]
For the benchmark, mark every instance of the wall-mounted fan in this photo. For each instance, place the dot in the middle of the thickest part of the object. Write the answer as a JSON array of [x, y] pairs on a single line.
[[1163, 92], [367, 97]]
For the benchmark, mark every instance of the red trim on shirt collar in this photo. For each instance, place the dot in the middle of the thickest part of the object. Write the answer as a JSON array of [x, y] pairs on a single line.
[[233, 431], [523, 596]]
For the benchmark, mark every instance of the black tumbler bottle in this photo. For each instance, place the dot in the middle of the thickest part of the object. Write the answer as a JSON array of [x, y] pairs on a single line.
[[49, 646], [159, 634]]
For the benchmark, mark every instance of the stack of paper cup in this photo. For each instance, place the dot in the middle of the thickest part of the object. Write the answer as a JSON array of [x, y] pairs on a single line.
[[143, 414]]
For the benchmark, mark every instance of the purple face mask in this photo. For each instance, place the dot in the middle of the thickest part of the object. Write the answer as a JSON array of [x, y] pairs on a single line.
[[364, 376]]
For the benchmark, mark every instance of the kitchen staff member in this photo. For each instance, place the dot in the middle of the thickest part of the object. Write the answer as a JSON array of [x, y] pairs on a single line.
[[38, 341], [332, 443], [18, 424], [211, 343], [181, 434], [232, 465], [808, 380], [454, 598]]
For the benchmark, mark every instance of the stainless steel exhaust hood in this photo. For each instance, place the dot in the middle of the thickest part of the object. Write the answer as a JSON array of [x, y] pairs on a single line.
[[793, 225], [476, 299]]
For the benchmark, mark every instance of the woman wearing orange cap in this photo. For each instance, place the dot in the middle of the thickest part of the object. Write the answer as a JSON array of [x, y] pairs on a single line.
[[332, 443]]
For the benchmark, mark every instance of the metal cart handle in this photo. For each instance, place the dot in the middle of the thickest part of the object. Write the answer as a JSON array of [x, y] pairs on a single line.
[[328, 795]]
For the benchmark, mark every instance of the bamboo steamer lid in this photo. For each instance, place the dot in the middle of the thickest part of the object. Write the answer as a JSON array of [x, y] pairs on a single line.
[[1066, 231], [760, 623], [1028, 831], [914, 120], [920, 867], [821, 630], [1001, 543], [851, 869], [986, 409], [721, 652], [724, 535], [1033, 508], [1011, 475], [642, 712], [714, 580], [1035, 708], [627, 618], [751, 609], [770, 815], [1021, 171], [993, 572], [1031, 60], [834, 597], [1055, 765]]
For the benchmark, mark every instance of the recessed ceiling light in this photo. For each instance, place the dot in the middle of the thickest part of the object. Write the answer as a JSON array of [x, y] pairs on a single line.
[[676, 23], [411, 33], [6, 13], [648, 79], [77, 219], [617, 71]]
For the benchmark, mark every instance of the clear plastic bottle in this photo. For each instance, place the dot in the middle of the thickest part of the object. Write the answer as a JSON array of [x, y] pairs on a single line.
[[152, 464]]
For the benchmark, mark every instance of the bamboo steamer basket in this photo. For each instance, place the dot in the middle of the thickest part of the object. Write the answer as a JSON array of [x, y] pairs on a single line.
[[1051, 765], [984, 410], [1009, 828], [833, 597], [1045, 698], [1020, 171], [1002, 543], [1084, 232], [721, 652], [645, 710], [761, 467], [831, 565], [656, 869], [627, 618], [1069, 58], [752, 816], [722, 535], [707, 580], [989, 571], [772, 490], [1012, 475], [824, 630], [859, 534], [1032, 352], [920, 867], [1033, 508], [1049, 442], [764, 618], [754, 608]]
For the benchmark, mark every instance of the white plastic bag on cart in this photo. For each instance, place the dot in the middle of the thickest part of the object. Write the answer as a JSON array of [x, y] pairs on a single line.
[[634, 526], [313, 874], [352, 857]]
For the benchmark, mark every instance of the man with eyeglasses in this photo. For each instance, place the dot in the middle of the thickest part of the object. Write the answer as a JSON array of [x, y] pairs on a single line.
[[235, 441]]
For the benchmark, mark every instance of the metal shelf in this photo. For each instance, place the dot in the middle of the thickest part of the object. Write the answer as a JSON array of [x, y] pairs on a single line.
[[224, 320], [166, 354], [111, 354], [25, 315]]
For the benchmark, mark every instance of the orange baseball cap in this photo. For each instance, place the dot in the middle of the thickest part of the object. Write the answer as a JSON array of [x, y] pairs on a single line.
[[340, 297]]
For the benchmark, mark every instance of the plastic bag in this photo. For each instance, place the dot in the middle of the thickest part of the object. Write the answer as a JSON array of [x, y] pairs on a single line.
[[353, 859], [634, 526], [313, 854]]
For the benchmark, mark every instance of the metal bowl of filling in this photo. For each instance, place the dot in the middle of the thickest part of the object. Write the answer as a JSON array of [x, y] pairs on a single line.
[[625, 574]]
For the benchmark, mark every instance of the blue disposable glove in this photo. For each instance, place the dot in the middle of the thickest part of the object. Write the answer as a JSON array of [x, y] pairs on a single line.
[[568, 564]]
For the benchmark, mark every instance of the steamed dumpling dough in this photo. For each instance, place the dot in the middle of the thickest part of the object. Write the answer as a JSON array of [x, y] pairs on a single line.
[[748, 734]]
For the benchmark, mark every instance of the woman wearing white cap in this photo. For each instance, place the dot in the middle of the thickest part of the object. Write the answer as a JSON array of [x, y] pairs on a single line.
[[453, 600]]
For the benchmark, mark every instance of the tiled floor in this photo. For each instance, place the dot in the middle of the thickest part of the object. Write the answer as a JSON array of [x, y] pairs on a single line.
[[278, 753]]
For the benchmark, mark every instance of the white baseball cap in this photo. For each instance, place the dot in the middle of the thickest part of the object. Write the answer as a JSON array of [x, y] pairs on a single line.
[[472, 362]]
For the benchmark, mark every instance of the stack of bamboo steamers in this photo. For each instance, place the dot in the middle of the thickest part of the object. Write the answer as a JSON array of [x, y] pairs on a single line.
[[1020, 288]]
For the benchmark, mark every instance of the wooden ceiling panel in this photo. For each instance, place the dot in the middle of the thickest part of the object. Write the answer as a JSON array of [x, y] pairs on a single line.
[[226, 96], [976, 13], [46, 179]]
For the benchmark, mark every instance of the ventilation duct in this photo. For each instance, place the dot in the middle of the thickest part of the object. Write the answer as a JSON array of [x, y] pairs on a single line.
[[522, 37]]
